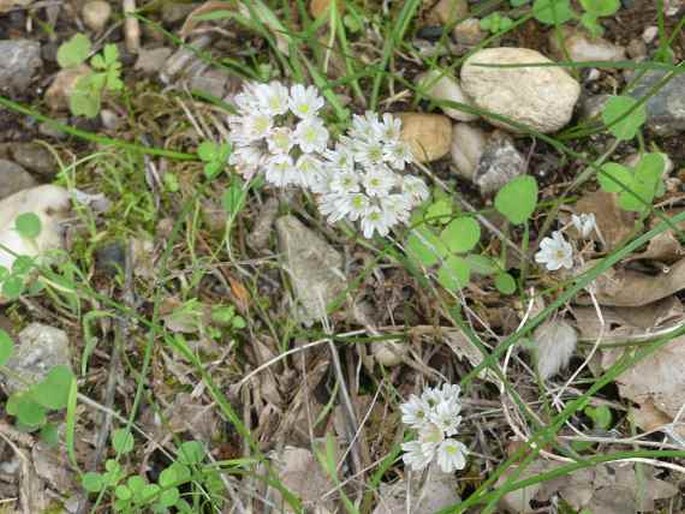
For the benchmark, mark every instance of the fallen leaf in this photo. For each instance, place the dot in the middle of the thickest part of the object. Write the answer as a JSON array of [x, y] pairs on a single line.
[[437, 492], [614, 223], [628, 288]]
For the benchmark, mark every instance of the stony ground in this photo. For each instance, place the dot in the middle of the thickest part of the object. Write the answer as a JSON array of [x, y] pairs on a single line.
[[199, 307]]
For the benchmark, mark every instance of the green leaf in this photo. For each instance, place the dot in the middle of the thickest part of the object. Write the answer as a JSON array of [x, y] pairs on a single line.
[[481, 264], [136, 484], [12, 287], [601, 7], [92, 482], [122, 440], [169, 497], [614, 177], [600, 416], [191, 452], [424, 247], [233, 198], [123, 493], [208, 151], [28, 225], [181, 471], [22, 265], [6, 347], [591, 23], [27, 411], [49, 434], [73, 52], [167, 477], [53, 391], [439, 211], [149, 492], [628, 126], [517, 200], [454, 273], [461, 235], [85, 99], [505, 283], [111, 54], [552, 12]]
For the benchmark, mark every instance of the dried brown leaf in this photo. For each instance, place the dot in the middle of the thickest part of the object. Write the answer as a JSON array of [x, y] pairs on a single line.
[[614, 223]]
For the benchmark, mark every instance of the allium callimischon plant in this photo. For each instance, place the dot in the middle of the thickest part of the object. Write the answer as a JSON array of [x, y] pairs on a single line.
[[279, 130], [435, 417]]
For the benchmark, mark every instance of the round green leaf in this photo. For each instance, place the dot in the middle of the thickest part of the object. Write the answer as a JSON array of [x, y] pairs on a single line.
[[505, 283], [461, 235], [481, 264], [122, 440], [517, 200], [6, 347], [169, 497], [149, 492], [12, 287], [122, 492], [614, 177], [191, 452], [92, 482], [28, 225], [621, 125], [49, 434], [53, 391], [424, 247], [601, 7], [136, 484], [552, 12], [22, 264], [167, 477], [73, 52], [29, 413], [439, 211], [454, 273]]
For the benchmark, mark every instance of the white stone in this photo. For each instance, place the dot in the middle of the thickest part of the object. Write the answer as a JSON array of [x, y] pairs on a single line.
[[428, 135], [468, 143], [96, 14], [441, 86], [650, 34], [50, 203], [582, 47], [540, 97]]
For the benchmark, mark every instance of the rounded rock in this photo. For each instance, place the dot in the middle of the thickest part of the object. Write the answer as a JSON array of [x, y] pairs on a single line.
[[96, 14], [540, 97], [441, 86], [582, 47], [428, 135], [468, 144], [57, 95]]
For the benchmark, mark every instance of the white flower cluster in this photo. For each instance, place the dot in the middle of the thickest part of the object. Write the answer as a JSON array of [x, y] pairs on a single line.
[[363, 178], [435, 416], [278, 129]]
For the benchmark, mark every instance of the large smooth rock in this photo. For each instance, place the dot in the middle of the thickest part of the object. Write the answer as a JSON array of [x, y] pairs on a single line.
[[314, 266], [666, 108], [50, 203], [541, 97], [13, 178], [39, 348], [441, 86], [19, 62], [582, 47], [429, 135]]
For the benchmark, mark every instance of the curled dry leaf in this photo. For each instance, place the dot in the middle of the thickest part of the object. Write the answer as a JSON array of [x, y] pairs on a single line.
[[603, 489], [657, 383], [629, 288]]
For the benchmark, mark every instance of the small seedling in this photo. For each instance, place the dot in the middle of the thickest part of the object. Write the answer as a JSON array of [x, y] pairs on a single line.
[[14, 280], [623, 117], [105, 75], [496, 22], [595, 9], [553, 12], [636, 187], [215, 156]]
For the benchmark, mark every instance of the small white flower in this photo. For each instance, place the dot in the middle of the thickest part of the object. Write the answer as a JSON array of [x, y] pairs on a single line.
[[369, 153], [311, 135], [414, 412], [280, 140], [309, 169], [345, 182], [584, 224], [257, 126], [376, 219], [415, 457], [341, 158], [397, 207], [431, 434], [446, 416], [379, 181], [390, 128], [273, 98], [280, 170], [555, 252], [415, 188], [366, 128], [451, 455], [397, 154], [304, 102]]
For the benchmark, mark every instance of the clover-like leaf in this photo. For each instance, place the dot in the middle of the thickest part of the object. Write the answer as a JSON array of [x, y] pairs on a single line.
[[74, 52], [505, 283], [601, 7], [517, 200], [28, 225], [461, 234], [614, 177], [454, 273], [623, 116], [552, 12], [425, 247], [6, 347], [122, 440], [53, 391]]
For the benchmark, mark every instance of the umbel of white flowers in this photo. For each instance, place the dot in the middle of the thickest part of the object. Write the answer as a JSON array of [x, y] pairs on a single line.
[[360, 178], [435, 417]]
